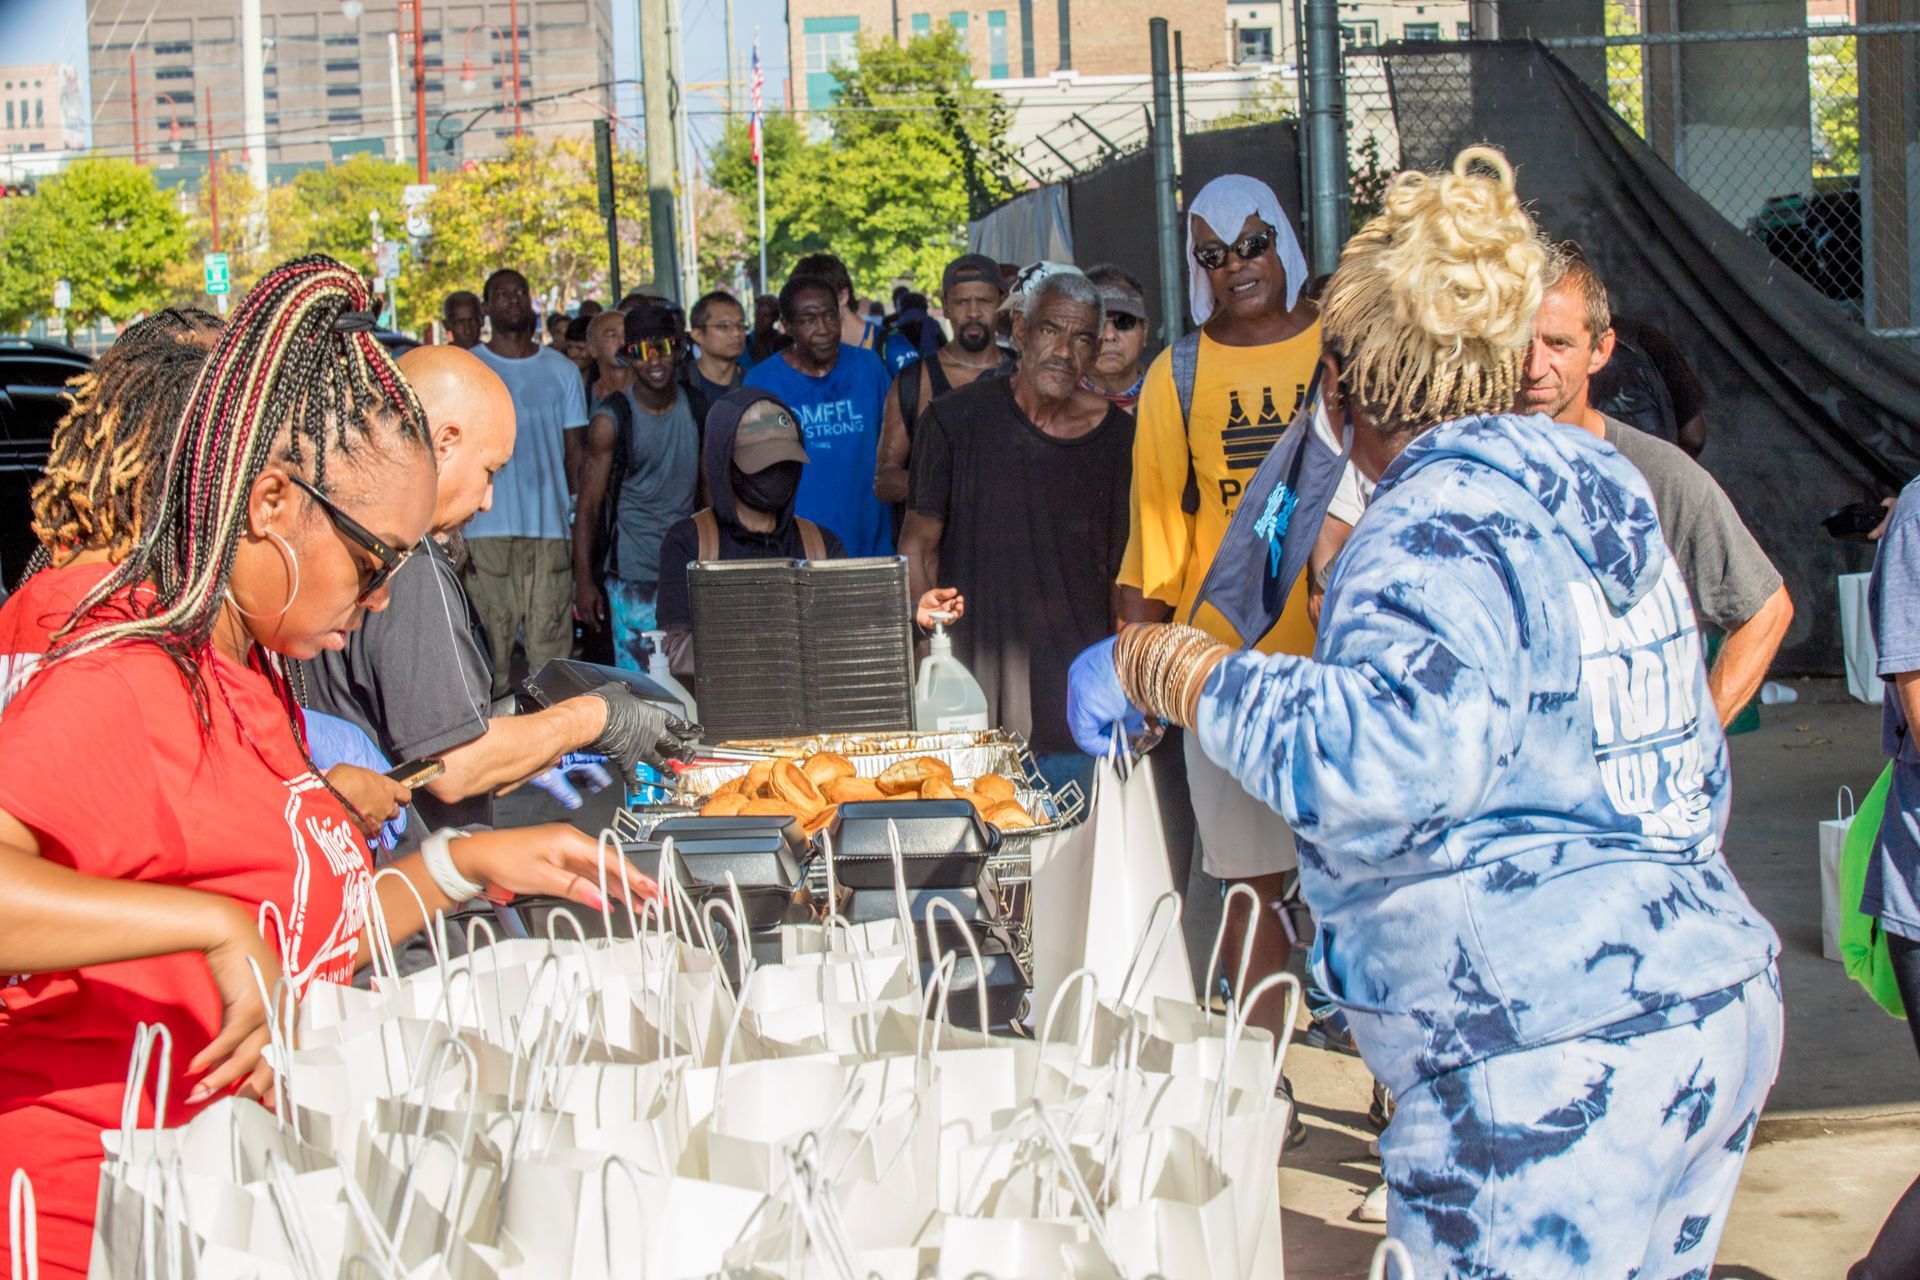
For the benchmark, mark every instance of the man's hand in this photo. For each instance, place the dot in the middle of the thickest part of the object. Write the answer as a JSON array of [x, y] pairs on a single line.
[[553, 860], [589, 606], [376, 798], [234, 1056], [638, 732], [942, 600]]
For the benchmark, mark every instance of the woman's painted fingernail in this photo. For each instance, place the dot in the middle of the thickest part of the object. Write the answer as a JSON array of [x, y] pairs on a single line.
[[595, 901], [199, 1095]]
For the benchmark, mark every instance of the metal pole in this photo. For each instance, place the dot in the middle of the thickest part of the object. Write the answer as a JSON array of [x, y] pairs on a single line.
[[656, 101], [393, 86], [1166, 215], [1327, 195], [213, 172], [760, 171], [609, 207], [133, 88], [253, 80], [685, 179], [1180, 112], [419, 100], [1104, 140], [733, 85], [513, 22]]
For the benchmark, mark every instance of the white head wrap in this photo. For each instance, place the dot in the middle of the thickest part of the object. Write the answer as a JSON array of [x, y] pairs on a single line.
[[1226, 203]]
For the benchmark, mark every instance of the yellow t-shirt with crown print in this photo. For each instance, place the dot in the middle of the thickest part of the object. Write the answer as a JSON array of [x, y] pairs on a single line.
[[1243, 400]]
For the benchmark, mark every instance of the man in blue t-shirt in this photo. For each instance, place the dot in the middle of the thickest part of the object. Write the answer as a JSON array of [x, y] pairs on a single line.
[[838, 392]]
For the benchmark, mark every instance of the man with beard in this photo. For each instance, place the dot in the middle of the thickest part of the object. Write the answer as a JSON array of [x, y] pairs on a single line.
[[837, 392], [1020, 501], [970, 295], [520, 574], [637, 480]]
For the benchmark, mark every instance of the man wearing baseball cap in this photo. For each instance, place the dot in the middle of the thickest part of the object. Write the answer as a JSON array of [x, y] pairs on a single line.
[[970, 295], [1119, 366]]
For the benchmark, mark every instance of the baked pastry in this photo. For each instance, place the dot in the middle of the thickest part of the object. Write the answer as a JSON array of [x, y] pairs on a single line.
[[992, 784], [911, 775], [790, 786], [731, 787], [724, 805], [819, 821], [769, 809], [757, 778], [1009, 816], [852, 790], [938, 789], [824, 766]]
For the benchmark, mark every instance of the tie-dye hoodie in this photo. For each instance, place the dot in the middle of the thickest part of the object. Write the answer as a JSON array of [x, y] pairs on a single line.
[[1502, 760]]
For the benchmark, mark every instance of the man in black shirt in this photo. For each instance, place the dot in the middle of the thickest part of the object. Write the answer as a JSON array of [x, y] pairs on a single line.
[[766, 341], [416, 677], [1020, 489]]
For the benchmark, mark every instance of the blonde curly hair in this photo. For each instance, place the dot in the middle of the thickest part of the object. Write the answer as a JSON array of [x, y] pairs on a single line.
[[1431, 310]]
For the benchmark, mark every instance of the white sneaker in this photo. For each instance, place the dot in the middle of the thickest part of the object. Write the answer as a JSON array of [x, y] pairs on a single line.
[[1373, 1208], [1373, 1147]]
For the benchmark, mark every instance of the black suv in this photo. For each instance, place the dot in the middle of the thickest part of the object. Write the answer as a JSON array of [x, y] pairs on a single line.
[[33, 399]]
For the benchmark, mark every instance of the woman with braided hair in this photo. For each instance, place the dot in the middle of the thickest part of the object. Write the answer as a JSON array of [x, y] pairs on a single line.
[[1507, 779], [163, 830]]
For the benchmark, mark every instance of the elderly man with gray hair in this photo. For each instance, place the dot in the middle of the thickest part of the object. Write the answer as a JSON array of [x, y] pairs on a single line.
[[1019, 499]]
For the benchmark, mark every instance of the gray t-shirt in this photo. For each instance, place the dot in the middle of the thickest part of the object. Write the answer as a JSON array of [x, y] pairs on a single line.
[[1892, 890], [663, 470], [414, 676], [1726, 572]]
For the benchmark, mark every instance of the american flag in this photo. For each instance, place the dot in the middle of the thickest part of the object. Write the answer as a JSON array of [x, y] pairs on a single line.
[[758, 81]]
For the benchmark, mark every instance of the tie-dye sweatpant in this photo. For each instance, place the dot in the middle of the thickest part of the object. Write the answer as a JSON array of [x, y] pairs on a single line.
[[1599, 1158]]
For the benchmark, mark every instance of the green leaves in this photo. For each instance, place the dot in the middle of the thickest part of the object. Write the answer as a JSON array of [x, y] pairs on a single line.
[[101, 225]]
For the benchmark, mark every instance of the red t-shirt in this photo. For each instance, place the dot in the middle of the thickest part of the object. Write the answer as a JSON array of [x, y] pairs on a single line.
[[103, 757], [32, 614]]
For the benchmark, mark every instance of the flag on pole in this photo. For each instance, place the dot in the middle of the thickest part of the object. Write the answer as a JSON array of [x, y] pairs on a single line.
[[758, 82]]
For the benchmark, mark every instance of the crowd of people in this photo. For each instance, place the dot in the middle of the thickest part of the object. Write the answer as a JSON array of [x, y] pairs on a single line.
[[1483, 742]]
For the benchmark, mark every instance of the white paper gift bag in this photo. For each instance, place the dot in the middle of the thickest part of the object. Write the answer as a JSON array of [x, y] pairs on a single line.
[[1833, 840], [1862, 654]]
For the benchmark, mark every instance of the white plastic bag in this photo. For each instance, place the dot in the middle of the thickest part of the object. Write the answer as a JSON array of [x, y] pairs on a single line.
[[1857, 644]]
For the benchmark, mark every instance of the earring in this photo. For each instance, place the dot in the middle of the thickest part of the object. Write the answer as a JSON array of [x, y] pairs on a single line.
[[293, 560]]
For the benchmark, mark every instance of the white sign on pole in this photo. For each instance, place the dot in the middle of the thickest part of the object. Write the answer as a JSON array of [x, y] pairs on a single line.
[[387, 256], [218, 280], [62, 295], [413, 201]]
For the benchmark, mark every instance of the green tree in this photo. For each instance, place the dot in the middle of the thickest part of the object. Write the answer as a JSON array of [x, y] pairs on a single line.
[[1833, 67], [101, 225], [1624, 69], [1272, 99]]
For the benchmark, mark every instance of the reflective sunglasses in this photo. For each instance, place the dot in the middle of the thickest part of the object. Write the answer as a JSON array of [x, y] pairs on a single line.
[[650, 349], [360, 536], [1124, 321], [1214, 257]]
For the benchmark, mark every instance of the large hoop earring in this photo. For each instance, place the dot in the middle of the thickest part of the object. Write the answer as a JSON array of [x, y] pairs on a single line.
[[293, 560]]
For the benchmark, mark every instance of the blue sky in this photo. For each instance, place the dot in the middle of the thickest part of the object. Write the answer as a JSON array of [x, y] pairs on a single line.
[[55, 31]]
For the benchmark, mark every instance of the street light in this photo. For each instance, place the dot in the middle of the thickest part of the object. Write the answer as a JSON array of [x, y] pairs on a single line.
[[467, 81], [351, 10]]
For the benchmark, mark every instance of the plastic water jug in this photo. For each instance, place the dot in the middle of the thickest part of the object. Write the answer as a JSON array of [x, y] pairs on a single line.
[[658, 672], [945, 694]]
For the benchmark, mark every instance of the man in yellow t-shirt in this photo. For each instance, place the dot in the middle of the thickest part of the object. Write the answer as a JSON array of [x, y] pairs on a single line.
[[1259, 345]]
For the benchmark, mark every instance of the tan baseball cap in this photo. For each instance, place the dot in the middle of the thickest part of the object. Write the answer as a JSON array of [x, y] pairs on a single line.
[[767, 434]]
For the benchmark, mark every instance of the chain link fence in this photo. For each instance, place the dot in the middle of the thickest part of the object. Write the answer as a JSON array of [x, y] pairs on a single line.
[[1806, 139]]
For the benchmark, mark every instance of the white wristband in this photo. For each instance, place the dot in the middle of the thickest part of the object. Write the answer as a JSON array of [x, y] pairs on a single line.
[[434, 849]]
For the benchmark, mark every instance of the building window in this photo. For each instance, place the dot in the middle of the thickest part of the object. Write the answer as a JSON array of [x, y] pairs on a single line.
[[9, 113], [179, 49], [342, 42], [958, 21], [173, 73], [1363, 35], [343, 116], [922, 25], [1256, 44], [40, 113], [343, 91], [1465, 29], [337, 67], [827, 43], [1423, 31], [1026, 38], [175, 97], [997, 44]]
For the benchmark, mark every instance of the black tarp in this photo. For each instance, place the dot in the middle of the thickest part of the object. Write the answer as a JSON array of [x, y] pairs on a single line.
[[1807, 411], [1112, 210]]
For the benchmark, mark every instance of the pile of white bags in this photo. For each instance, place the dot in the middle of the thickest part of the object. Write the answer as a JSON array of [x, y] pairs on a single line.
[[582, 1109]]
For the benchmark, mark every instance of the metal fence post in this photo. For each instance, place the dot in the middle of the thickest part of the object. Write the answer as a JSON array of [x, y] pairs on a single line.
[[1166, 211], [1326, 140]]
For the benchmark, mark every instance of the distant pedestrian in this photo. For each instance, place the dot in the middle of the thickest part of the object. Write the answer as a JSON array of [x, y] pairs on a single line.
[[1120, 368], [462, 316], [838, 392], [520, 570], [766, 340], [1650, 385], [719, 325], [857, 329]]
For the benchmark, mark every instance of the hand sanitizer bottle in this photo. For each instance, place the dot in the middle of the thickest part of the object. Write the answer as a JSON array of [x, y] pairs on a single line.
[[660, 674], [945, 694]]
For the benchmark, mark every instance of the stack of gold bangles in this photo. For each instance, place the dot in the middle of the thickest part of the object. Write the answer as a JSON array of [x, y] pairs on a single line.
[[1163, 668]]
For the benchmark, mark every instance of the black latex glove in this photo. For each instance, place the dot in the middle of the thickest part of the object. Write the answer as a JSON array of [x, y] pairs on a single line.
[[638, 732]]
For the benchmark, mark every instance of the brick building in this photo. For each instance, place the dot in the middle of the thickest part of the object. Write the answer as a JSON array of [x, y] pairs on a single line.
[[329, 76], [42, 111]]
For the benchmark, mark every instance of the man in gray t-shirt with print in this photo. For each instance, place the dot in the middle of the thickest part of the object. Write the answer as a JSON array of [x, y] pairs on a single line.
[[638, 478], [1734, 586]]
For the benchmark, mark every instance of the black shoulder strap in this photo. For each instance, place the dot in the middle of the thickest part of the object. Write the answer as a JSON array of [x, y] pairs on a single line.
[[1186, 372], [620, 409], [907, 392], [937, 377]]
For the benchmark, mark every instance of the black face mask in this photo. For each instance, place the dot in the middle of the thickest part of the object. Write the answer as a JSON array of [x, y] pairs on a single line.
[[770, 490]]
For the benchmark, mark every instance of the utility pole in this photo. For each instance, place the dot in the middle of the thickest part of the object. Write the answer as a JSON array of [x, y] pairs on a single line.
[[1327, 195], [733, 85], [1180, 113], [1166, 213], [513, 24], [393, 88], [253, 84], [133, 86], [609, 208], [685, 179], [656, 59], [213, 173], [419, 94]]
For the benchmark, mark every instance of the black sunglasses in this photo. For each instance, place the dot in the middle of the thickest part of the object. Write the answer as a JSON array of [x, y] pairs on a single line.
[[360, 536], [1214, 257], [1124, 321]]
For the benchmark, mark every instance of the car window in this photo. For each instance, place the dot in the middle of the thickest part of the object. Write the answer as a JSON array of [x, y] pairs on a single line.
[[32, 412]]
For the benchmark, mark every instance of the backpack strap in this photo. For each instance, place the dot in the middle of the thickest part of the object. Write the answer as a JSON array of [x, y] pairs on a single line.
[[812, 545], [1186, 372], [618, 407], [707, 527], [908, 384]]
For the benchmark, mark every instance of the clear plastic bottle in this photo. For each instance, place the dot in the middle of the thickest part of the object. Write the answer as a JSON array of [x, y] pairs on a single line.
[[660, 674], [945, 694]]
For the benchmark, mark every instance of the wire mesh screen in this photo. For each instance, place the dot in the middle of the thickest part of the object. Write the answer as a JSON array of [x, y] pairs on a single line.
[[1803, 140]]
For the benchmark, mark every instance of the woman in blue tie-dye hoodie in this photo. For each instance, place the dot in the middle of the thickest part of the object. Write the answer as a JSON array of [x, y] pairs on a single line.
[[1508, 783]]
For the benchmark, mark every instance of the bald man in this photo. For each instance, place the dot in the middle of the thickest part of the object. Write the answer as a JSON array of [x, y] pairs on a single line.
[[417, 676]]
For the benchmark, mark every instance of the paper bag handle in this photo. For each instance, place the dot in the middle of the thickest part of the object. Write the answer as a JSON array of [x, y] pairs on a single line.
[[145, 1037], [936, 906], [456, 1191], [293, 1224], [1847, 792], [1165, 924], [1238, 890], [1089, 1010], [627, 1167], [1402, 1260]]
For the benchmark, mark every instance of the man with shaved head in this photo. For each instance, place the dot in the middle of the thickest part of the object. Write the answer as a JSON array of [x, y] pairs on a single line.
[[416, 676]]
